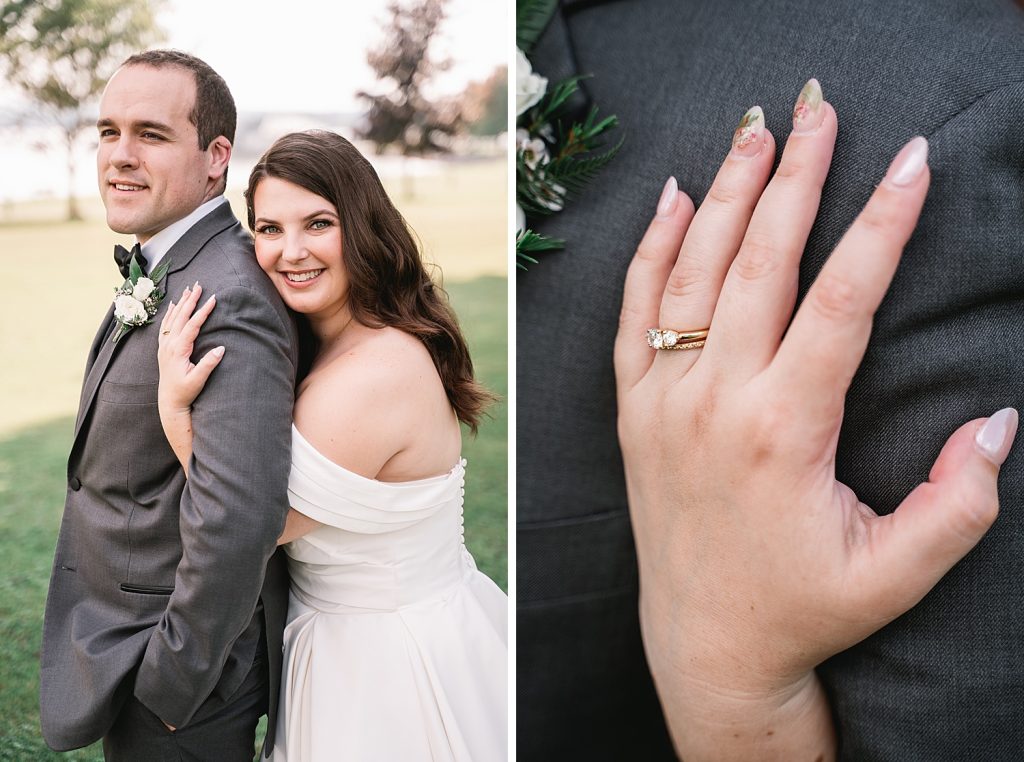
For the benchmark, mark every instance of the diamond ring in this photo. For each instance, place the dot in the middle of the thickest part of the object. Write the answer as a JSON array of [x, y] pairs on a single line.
[[663, 338]]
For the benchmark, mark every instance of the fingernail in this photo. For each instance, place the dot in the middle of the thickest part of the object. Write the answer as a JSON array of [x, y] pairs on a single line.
[[669, 198], [808, 111], [996, 435], [195, 285], [219, 351], [909, 163], [748, 140]]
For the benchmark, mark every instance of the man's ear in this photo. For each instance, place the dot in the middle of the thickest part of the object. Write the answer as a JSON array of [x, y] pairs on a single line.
[[219, 153]]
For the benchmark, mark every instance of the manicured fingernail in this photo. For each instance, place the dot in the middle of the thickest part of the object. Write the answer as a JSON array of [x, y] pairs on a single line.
[[996, 435], [218, 352], [808, 111], [669, 198], [748, 140], [195, 285], [909, 163]]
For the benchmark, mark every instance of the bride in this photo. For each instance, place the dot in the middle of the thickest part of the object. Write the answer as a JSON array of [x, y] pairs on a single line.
[[396, 645]]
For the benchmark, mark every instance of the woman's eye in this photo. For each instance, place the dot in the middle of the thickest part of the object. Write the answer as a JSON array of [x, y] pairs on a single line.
[[267, 230], [320, 224]]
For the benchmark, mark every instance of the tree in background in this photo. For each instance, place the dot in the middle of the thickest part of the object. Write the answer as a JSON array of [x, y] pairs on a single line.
[[62, 52], [401, 116], [485, 105]]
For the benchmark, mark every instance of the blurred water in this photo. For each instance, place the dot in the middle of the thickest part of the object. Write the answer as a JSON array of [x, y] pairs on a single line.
[[34, 164]]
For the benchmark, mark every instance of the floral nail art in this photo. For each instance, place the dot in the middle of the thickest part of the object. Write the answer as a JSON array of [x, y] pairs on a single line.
[[750, 129], [807, 111]]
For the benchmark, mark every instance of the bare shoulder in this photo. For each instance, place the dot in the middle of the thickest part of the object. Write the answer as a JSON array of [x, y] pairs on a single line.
[[381, 397]]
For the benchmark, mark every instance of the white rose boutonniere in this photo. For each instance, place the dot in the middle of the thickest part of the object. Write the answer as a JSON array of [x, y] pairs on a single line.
[[530, 87], [137, 300], [143, 288]]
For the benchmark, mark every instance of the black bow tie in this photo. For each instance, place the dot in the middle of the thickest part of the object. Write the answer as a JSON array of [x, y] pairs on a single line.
[[123, 257]]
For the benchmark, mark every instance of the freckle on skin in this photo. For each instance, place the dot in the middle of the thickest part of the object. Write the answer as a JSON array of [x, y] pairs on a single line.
[[771, 732]]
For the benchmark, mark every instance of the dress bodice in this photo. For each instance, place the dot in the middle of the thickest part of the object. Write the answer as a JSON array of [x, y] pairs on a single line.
[[383, 546]]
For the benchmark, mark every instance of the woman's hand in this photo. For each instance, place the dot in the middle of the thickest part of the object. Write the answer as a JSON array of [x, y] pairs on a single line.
[[181, 381], [755, 563]]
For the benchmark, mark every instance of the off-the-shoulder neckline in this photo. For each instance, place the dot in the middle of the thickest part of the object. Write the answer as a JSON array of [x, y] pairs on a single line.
[[453, 471]]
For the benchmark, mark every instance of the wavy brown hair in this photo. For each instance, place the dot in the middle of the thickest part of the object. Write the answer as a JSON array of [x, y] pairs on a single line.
[[388, 284]]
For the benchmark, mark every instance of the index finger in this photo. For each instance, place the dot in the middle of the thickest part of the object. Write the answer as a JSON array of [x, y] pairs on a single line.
[[829, 335]]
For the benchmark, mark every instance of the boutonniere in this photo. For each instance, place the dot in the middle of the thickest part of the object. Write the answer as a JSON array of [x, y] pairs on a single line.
[[138, 298], [555, 156]]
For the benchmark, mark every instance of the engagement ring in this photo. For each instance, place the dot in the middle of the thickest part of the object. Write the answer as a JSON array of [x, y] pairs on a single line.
[[658, 338]]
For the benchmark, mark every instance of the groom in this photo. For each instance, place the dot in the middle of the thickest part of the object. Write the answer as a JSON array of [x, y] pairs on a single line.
[[167, 600]]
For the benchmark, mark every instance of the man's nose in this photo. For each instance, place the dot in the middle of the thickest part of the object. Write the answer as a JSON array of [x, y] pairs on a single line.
[[123, 154]]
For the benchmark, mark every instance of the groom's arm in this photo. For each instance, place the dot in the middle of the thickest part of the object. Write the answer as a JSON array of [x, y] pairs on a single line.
[[233, 506]]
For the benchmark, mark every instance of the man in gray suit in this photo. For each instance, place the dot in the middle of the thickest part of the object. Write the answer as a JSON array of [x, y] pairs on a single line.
[[167, 599], [946, 680]]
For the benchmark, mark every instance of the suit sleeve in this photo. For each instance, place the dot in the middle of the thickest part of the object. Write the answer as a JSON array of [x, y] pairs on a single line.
[[948, 347], [233, 507]]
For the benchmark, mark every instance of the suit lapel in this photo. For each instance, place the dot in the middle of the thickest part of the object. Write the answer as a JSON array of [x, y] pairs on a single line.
[[102, 334], [104, 350]]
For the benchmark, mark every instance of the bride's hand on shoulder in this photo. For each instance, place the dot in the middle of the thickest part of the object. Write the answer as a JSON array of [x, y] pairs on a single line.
[[181, 380], [755, 563]]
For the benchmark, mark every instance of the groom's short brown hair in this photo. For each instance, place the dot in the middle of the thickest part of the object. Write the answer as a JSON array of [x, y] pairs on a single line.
[[213, 113]]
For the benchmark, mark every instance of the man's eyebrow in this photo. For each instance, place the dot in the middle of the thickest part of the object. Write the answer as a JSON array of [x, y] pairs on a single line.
[[145, 124]]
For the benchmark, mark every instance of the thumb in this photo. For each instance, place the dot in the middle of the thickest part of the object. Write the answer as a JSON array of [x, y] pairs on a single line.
[[201, 372], [942, 519]]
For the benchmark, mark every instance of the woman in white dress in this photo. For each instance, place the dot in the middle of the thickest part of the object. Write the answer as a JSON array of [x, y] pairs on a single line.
[[396, 645]]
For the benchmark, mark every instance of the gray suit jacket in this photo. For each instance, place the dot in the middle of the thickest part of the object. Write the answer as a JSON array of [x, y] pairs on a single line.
[[159, 584], [945, 681]]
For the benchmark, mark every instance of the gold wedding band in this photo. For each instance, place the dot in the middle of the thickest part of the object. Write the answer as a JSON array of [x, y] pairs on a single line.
[[666, 338]]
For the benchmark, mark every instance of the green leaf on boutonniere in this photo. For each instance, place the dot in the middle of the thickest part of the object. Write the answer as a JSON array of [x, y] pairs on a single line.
[[158, 274], [134, 270], [531, 18], [528, 242]]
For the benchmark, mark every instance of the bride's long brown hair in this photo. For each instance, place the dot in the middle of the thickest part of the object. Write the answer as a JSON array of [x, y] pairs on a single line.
[[388, 284]]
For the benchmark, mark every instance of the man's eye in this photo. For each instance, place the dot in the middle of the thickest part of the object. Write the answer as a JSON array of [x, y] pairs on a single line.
[[152, 136], [107, 132]]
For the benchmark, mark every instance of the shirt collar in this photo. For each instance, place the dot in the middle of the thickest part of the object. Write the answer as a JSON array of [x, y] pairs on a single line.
[[156, 247]]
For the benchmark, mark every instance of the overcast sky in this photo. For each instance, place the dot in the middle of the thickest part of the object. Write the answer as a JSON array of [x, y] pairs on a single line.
[[310, 55]]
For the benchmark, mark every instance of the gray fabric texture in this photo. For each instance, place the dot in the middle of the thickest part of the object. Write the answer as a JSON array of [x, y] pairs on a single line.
[[161, 586], [221, 729], [945, 681]]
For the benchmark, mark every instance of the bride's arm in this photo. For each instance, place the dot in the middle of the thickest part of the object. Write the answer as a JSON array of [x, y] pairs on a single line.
[[296, 525], [181, 381]]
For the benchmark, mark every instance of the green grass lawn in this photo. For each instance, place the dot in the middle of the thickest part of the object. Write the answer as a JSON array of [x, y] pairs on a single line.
[[39, 391]]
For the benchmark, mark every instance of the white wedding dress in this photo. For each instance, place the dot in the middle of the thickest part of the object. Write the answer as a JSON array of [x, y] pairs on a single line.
[[396, 646]]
